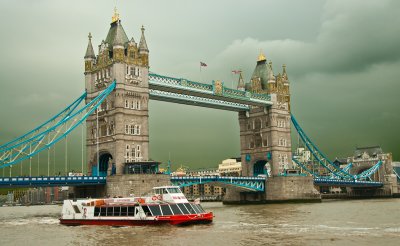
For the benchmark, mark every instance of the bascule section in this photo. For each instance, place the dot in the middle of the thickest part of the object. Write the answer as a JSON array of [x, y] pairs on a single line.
[[118, 132]]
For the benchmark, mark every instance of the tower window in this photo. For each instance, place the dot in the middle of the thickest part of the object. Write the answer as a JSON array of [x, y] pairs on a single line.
[[126, 104], [126, 129], [132, 130]]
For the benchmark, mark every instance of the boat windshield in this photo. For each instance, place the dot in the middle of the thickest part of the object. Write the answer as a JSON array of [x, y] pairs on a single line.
[[174, 190]]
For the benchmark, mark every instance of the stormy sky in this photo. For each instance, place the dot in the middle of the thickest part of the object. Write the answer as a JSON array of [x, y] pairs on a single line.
[[343, 62]]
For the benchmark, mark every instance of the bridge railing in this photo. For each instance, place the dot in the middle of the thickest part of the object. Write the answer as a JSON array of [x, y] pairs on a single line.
[[51, 180], [207, 88]]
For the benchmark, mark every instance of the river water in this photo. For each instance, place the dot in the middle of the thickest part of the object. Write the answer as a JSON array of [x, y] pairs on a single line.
[[356, 222]]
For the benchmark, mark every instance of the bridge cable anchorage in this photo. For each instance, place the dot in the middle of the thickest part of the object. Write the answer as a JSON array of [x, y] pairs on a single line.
[[32, 143]]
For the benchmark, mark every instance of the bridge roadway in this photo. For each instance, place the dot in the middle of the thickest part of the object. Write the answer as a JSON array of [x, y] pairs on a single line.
[[248, 183]]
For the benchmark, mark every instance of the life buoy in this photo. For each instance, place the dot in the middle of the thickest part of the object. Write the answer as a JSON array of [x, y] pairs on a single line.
[[154, 198], [159, 197]]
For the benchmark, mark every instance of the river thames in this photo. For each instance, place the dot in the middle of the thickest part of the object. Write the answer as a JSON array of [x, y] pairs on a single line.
[[351, 222]]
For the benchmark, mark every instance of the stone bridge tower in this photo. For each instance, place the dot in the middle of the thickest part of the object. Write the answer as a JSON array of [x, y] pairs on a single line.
[[265, 142], [123, 132], [265, 132]]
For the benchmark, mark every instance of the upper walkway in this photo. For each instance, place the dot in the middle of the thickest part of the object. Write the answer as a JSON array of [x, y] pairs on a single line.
[[217, 96]]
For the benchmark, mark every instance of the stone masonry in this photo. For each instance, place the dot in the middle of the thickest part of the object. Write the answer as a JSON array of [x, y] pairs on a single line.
[[123, 131]]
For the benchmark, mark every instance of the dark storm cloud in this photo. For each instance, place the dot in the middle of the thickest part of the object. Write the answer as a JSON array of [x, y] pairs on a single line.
[[342, 58]]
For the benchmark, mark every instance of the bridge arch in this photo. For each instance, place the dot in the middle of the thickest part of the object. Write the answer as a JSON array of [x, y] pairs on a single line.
[[106, 166], [262, 167]]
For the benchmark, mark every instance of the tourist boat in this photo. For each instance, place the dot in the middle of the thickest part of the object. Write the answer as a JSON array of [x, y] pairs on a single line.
[[165, 205]]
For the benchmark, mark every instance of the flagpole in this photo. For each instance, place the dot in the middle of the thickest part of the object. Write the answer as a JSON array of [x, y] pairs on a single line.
[[232, 78], [201, 79]]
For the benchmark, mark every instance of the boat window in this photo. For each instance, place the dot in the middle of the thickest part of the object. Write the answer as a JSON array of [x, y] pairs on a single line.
[[175, 209], [196, 208], [189, 207], [76, 209], [131, 211], [200, 208], [96, 211], [183, 208], [124, 211], [117, 211], [174, 190], [155, 210], [166, 210], [103, 211], [146, 210], [110, 211]]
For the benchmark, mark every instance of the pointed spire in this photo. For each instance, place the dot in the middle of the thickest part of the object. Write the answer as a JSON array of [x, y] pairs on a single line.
[[284, 74], [132, 41], [89, 49], [271, 76], [241, 85], [143, 44]]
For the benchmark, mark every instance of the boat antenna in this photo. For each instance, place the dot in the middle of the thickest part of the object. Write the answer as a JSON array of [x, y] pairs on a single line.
[[169, 164]]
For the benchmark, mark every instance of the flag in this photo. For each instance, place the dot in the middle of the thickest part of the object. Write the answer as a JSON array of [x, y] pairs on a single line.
[[236, 71], [202, 64]]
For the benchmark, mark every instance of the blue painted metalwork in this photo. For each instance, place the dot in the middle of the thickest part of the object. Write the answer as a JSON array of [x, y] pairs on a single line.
[[367, 173], [61, 115], [196, 100], [335, 176], [182, 87], [250, 183], [28, 147], [321, 157], [51, 181], [397, 174], [346, 183], [348, 167]]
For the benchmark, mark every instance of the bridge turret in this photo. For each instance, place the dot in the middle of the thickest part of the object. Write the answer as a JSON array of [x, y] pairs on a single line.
[[241, 85], [265, 131], [123, 117], [143, 49], [89, 55]]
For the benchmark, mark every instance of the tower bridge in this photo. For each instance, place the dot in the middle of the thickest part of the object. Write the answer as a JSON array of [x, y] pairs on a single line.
[[118, 87]]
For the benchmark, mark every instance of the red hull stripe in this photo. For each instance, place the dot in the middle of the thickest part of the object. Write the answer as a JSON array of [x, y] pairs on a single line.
[[173, 220]]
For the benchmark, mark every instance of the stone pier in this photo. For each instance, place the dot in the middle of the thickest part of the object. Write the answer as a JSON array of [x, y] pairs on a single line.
[[279, 189]]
